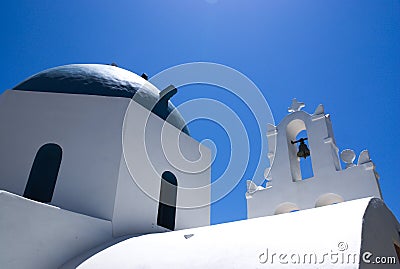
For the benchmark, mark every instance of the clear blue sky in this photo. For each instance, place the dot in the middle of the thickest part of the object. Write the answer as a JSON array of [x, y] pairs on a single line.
[[343, 54]]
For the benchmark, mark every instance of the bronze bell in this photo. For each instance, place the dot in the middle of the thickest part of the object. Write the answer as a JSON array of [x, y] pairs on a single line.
[[304, 152]]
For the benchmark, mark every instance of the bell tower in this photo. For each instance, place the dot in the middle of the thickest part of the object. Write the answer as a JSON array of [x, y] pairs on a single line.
[[309, 137]]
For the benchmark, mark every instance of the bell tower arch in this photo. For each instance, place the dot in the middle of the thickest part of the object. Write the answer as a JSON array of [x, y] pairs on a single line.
[[300, 137], [298, 151]]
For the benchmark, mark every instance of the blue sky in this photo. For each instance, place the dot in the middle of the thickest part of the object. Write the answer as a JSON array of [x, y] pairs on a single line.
[[343, 54]]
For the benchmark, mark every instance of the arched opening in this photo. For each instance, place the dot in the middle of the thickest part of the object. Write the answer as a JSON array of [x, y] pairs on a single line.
[[328, 199], [167, 201], [305, 164], [286, 208], [44, 172], [300, 167]]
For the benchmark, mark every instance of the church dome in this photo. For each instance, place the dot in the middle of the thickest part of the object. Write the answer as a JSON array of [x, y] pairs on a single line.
[[102, 80]]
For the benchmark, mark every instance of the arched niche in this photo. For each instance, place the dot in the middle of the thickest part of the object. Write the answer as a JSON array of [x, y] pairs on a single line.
[[328, 199], [44, 172], [167, 201], [286, 208]]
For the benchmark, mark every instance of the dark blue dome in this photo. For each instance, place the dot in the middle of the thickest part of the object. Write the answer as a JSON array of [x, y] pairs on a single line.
[[102, 80]]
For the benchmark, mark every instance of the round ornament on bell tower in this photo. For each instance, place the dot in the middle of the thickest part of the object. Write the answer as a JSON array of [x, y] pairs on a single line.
[[305, 169]]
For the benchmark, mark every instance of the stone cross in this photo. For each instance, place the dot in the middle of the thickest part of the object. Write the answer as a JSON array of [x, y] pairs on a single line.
[[296, 106]]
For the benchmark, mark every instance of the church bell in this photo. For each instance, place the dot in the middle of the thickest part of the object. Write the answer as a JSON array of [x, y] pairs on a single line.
[[304, 151]]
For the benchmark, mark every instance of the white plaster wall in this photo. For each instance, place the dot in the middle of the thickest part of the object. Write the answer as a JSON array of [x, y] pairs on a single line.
[[35, 235], [352, 183], [93, 173], [88, 128], [136, 204], [239, 244]]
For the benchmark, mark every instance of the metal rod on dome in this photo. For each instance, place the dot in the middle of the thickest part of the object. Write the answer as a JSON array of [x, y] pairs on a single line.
[[145, 76], [161, 107], [167, 93]]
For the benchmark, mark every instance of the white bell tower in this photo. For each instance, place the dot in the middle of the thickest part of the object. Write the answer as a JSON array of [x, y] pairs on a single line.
[[287, 189]]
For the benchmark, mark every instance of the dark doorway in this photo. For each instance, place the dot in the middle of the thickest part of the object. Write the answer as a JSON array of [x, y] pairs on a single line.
[[43, 176], [167, 201]]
